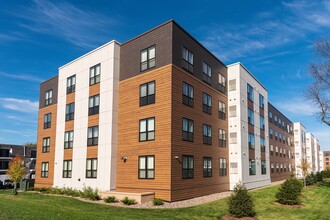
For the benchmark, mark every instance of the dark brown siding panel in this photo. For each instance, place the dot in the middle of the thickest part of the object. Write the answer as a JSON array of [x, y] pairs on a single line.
[[45, 86]]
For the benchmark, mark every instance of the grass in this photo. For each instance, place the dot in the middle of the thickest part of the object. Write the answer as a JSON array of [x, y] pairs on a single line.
[[38, 206]]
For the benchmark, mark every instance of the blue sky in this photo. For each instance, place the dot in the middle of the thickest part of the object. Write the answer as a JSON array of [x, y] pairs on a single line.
[[273, 39]]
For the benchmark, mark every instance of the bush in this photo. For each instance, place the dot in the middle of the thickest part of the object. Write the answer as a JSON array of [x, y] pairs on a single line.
[[325, 173], [157, 202], [319, 177], [128, 201], [289, 192], [110, 199], [240, 202], [90, 193], [310, 179]]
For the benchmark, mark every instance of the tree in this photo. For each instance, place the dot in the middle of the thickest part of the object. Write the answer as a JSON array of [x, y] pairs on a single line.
[[30, 144], [305, 167], [16, 171], [289, 192], [319, 91]]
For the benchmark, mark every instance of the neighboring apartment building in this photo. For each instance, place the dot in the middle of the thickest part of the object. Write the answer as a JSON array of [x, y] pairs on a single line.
[[326, 160], [317, 156], [321, 162], [310, 151], [300, 146], [248, 129], [281, 142]]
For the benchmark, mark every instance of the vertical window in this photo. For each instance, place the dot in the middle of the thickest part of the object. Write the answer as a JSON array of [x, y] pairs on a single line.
[[270, 132], [250, 92], [262, 123], [222, 110], [250, 117], [69, 112], [251, 140], [207, 134], [263, 167], [277, 168], [188, 59], [45, 144], [44, 169], [146, 167], [147, 93], [272, 167], [276, 151], [223, 167], [262, 144], [187, 167], [232, 85], [271, 149], [207, 103], [68, 139], [71, 84], [49, 97], [67, 168], [187, 129], [276, 135], [207, 73], [91, 168], [232, 111], [47, 120], [187, 94], [207, 166], [93, 136], [261, 101], [94, 74], [147, 129], [148, 58], [222, 84], [270, 116], [222, 138], [252, 167], [94, 105]]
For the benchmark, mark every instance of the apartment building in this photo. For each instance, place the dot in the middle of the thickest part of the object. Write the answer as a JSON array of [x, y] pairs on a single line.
[[281, 142], [300, 146], [321, 162], [248, 129], [326, 160], [317, 157], [310, 151]]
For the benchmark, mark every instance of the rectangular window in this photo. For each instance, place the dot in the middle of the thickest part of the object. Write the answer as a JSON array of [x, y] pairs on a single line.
[[271, 149], [187, 167], [250, 92], [71, 84], [222, 84], [94, 74], [91, 168], [250, 117], [207, 134], [222, 110], [147, 93], [146, 167], [262, 123], [207, 103], [272, 167], [262, 144], [222, 138], [187, 94], [45, 144], [252, 167], [232, 85], [148, 58], [47, 120], [276, 151], [207, 167], [67, 168], [207, 73], [223, 167], [233, 137], [44, 170], [68, 139], [261, 101], [277, 168], [93, 136], [147, 129], [232, 111], [94, 105], [187, 129], [270, 116], [188, 60], [270, 132], [69, 112], [251, 141], [49, 97]]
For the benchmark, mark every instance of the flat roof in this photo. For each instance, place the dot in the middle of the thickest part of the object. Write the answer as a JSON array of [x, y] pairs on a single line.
[[279, 112]]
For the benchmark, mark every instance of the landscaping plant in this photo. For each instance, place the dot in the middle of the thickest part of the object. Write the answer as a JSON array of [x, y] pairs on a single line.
[[128, 201], [16, 171], [157, 202], [110, 199], [289, 192]]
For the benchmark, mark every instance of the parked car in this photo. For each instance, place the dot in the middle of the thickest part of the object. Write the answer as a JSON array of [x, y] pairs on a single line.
[[8, 184], [1, 185]]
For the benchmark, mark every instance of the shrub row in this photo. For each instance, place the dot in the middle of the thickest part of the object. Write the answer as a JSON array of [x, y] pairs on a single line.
[[318, 177], [87, 192], [127, 201]]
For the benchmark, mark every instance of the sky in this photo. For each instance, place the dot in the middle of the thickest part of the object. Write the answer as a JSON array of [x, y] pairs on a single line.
[[273, 39]]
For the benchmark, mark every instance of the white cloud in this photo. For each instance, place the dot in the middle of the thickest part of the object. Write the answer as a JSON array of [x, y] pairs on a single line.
[[25, 133], [21, 119], [24, 77], [22, 105], [295, 106]]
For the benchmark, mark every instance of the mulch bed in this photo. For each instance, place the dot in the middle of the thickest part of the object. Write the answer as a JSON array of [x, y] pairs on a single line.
[[290, 206], [229, 217]]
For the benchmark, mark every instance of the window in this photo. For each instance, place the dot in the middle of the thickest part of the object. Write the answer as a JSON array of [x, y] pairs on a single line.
[[277, 168], [263, 167], [187, 94], [250, 92], [262, 123], [207, 167], [272, 167], [251, 140], [207, 73], [146, 167], [68, 139], [49, 97], [91, 168], [93, 136], [261, 101], [233, 138], [187, 167], [262, 144], [207, 134], [94, 105], [207, 103], [222, 84], [44, 170], [232, 111], [71, 84], [67, 168], [222, 138], [250, 117], [270, 115], [232, 85], [47, 120], [187, 129], [252, 167], [222, 110], [147, 129], [148, 58], [223, 167], [45, 144], [147, 93], [94, 74], [271, 149], [69, 112], [276, 135], [188, 59], [270, 132], [280, 152], [276, 151]]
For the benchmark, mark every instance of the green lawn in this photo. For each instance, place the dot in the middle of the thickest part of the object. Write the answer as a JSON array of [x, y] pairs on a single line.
[[37, 206]]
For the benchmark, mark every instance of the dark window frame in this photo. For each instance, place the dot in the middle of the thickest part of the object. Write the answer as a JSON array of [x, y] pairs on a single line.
[[149, 61], [91, 173], [186, 134], [71, 84], [146, 169], [207, 106], [263, 167], [207, 136], [49, 100], [95, 79], [44, 173], [47, 120], [222, 171], [186, 95], [148, 98], [251, 145], [261, 101], [68, 144], [147, 131], [45, 148], [222, 138], [93, 140], [251, 173], [69, 111], [188, 172], [94, 109], [207, 171], [186, 63], [250, 116], [222, 110], [207, 73], [250, 92], [67, 173], [222, 84]]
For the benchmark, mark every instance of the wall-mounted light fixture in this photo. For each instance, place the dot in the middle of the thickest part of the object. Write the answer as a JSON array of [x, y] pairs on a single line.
[[124, 158]]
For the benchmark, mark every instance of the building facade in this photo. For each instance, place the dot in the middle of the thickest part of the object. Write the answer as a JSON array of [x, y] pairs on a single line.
[[326, 160], [299, 146], [321, 162]]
